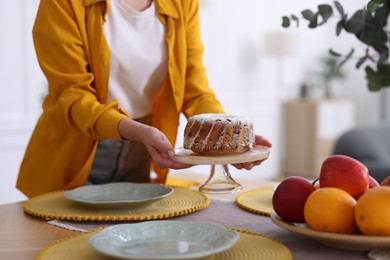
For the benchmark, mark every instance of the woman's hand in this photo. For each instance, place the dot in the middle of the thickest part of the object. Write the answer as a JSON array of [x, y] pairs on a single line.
[[156, 143], [161, 150], [259, 140]]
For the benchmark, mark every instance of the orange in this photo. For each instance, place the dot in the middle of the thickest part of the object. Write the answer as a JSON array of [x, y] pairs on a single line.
[[330, 209], [372, 212]]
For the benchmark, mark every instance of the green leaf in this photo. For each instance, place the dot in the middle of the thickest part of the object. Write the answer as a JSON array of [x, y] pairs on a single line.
[[296, 19], [325, 11], [361, 61], [308, 14], [384, 74], [371, 7], [378, 2], [314, 22], [346, 58], [339, 8], [333, 53], [381, 15], [285, 22], [373, 80], [340, 26], [356, 23], [384, 55]]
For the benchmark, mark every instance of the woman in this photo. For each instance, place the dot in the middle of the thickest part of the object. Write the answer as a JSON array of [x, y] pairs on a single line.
[[119, 73]]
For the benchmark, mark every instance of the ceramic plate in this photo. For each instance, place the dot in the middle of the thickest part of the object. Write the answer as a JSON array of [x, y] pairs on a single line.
[[187, 156], [350, 242], [163, 240], [119, 195]]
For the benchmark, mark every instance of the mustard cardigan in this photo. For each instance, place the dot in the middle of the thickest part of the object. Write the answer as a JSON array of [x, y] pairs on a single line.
[[75, 58]]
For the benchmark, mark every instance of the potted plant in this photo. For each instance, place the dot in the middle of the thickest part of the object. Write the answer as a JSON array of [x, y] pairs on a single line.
[[329, 72], [368, 25]]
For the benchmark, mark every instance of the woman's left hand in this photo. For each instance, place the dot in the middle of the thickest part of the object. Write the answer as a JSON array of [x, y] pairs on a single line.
[[259, 140]]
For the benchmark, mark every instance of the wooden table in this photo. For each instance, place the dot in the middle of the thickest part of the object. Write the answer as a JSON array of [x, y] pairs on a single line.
[[22, 236]]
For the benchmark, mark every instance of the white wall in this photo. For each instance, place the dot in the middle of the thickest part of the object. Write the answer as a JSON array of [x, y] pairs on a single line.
[[21, 86], [247, 80]]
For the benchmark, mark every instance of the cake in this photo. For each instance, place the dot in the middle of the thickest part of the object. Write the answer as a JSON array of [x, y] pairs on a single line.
[[218, 134]]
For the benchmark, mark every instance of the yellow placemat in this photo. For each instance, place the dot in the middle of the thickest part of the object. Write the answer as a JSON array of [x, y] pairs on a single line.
[[172, 181], [257, 201], [249, 246], [54, 205]]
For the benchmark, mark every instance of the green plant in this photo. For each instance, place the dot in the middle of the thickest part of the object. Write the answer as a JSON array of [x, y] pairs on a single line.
[[368, 25], [330, 69], [329, 72]]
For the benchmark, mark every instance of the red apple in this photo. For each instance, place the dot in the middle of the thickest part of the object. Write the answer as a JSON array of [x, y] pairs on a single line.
[[372, 183], [346, 173], [386, 182], [290, 196]]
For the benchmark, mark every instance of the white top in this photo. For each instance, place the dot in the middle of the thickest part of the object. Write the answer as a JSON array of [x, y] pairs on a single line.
[[138, 56]]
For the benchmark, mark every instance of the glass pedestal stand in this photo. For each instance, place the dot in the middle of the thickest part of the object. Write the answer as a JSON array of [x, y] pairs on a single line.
[[220, 181]]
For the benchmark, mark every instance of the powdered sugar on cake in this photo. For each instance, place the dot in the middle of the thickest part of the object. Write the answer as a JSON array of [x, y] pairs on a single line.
[[218, 134]]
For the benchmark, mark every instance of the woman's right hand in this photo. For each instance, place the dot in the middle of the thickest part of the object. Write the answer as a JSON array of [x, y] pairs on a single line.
[[157, 144], [161, 150]]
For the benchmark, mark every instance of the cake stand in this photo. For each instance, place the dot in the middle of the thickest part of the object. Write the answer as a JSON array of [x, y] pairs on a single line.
[[220, 181]]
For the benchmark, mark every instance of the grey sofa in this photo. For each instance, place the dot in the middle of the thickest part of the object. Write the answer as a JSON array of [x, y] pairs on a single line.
[[370, 145]]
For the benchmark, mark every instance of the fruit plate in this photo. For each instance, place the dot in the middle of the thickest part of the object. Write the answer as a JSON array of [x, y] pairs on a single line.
[[356, 242], [119, 195], [258, 152], [163, 240]]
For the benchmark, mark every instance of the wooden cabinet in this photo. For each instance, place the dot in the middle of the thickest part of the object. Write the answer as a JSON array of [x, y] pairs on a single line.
[[310, 129]]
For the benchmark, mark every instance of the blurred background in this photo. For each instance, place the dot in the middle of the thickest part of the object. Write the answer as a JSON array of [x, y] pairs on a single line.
[[258, 69]]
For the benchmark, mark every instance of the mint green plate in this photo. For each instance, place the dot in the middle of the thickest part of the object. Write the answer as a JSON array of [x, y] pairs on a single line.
[[119, 195], [163, 240]]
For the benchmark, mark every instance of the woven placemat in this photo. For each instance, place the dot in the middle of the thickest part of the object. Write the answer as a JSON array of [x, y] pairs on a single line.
[[257, 201], [250, 246], [55, 206], [172, 181]]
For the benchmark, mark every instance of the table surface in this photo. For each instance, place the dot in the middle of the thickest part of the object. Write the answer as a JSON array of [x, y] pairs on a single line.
[[22, 236]]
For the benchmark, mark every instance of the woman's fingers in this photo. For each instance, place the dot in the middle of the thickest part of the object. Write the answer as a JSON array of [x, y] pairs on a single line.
[[248, 165], [260, 140], [163, 161]]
